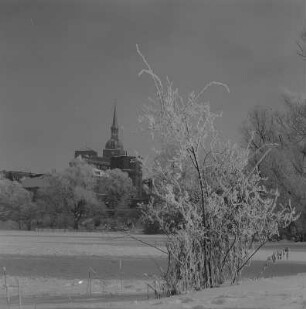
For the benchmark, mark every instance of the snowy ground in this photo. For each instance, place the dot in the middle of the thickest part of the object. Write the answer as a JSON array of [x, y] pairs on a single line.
[[285, 292], [61, 291]]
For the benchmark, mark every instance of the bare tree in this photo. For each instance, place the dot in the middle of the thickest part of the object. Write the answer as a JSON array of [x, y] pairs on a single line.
[[284, 134], [221, 205], [301, 44]]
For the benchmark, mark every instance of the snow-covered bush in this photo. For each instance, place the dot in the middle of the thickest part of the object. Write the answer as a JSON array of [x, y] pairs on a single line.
[[221, 212]]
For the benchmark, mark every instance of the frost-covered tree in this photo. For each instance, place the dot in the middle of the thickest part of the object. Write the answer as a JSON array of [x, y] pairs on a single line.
[[16, 203], [117, 188], [283, 134], [214, 209], [285, 165], [71, 193], [51, 199]]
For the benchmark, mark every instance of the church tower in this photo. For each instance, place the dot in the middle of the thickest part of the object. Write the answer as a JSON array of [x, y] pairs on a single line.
[[114, 127], [113, 146]]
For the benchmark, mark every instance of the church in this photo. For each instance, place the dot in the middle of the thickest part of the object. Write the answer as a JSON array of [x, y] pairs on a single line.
[[114, 156]]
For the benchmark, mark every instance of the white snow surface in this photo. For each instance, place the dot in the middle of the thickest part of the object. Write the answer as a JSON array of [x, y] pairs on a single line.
[[279, 292]]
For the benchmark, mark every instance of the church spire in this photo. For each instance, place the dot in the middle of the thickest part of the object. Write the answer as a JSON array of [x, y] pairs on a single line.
[[115, 121], [115, 127], [113, 146]]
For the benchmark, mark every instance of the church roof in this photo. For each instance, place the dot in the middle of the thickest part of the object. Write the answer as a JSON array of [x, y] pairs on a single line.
[[85, 149]]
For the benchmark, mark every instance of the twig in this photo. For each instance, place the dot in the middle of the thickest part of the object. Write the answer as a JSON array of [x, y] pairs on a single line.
[[157, 294], [228, 251], [213, 83], [146, 243], [254, 252]]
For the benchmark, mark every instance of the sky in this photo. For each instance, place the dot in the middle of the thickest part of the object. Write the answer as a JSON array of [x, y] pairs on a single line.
[[64, 64]]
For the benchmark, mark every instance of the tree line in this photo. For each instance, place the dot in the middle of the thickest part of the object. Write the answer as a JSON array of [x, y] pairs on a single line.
[[66, 199], [280, 136]]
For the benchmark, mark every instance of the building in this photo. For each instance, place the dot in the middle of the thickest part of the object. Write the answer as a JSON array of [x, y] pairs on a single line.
[[33, 184], [30, 181], [114, 156], [113, 147], [18, 175]]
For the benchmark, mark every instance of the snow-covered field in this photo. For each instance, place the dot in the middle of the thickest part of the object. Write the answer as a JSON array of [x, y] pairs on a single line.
[[76, 244], [284, 292], [47, 288]]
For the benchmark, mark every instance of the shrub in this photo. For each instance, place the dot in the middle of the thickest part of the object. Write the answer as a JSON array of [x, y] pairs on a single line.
[[221, 206]]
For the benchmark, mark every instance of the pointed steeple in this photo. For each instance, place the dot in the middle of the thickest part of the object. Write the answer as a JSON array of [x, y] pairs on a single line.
[[115, 121], [115, 127], [113, 146]]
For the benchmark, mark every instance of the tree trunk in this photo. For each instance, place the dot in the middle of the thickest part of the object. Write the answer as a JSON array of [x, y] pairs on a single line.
[[29, 225], [76, 224]]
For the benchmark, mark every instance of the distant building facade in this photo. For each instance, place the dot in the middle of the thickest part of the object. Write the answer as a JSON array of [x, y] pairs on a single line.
[[18, 175], [114, 156]]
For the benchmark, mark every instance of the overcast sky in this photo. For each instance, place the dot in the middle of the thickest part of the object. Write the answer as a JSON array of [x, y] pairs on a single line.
[[63, 64]]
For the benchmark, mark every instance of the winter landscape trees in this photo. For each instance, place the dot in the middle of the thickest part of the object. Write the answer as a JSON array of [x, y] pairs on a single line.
[[16, 203], [281, 135], [70, 194], [225, 213], [117, 189], [67, 198]]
